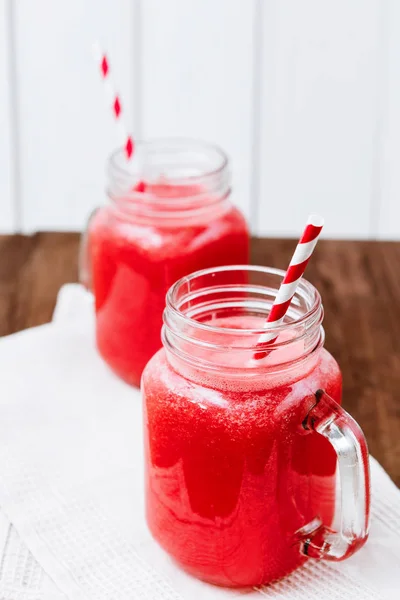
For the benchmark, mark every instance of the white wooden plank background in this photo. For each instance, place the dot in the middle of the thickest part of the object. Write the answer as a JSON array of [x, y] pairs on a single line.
[[318, 122], [7, 217], [387, 212], [304, 96], [66, 129], [197, 77]]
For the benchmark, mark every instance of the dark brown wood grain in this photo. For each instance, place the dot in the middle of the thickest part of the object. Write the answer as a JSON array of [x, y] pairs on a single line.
[[32, 270], [360, 287]]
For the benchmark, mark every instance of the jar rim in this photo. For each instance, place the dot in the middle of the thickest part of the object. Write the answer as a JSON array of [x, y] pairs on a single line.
[[304, 286], [196, 173], [172, 143]]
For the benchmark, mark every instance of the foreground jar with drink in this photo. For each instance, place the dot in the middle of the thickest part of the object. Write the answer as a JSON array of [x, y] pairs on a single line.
[[169, 214], [251, 463]]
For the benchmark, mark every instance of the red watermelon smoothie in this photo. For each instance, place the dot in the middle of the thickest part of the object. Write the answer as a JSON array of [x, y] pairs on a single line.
[[178, 220], [230, 475]]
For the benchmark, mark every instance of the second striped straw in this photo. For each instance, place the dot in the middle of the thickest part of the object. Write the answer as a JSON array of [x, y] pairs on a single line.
[[294, 273], [125, 140]]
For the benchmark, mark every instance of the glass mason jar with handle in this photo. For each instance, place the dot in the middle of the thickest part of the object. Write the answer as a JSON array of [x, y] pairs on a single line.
[[251, 464], [169, 214]]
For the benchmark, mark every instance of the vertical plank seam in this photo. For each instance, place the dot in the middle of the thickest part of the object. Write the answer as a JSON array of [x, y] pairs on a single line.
[[256, 107], [137, 76], [381, 87], [15, 145]]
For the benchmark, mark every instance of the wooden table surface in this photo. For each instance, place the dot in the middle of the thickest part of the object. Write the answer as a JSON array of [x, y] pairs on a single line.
[[360, 287]]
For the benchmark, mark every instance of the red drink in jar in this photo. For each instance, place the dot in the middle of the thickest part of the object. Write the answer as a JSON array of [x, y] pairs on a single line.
[[241, 454], [177, 219]]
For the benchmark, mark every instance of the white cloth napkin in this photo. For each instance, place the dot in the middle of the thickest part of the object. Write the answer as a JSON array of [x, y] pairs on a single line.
[[71, 486]]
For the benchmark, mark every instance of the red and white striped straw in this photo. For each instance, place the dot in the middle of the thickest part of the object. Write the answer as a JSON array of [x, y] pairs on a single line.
[[125, 140], [294, 273]]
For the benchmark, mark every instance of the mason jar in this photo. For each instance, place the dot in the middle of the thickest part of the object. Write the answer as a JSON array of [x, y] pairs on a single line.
[[169, 213], [251, 464]]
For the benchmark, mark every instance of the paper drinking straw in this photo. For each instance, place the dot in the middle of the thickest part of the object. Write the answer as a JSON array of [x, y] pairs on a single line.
[[294, 273], [125, 140]]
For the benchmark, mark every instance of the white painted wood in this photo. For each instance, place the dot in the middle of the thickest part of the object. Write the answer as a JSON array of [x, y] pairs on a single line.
[[319, 115], [7, 223], [198, 77], [387, 212], [67, 130]]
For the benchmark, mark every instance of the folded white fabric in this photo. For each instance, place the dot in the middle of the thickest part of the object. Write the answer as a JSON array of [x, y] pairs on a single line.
[[74, 305], [71, 485]]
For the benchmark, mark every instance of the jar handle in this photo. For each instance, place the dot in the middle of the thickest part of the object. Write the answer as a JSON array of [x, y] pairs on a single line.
[[331, 421], [84, 260]]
